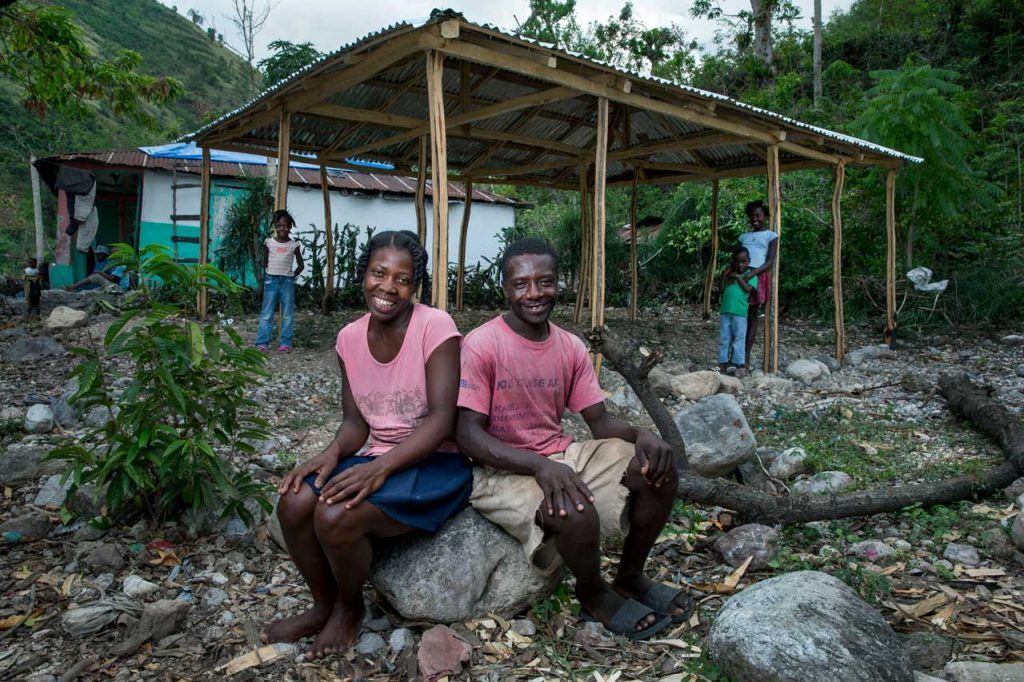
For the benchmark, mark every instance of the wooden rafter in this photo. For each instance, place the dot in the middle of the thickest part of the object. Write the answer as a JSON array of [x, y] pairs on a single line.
[[533, 99]]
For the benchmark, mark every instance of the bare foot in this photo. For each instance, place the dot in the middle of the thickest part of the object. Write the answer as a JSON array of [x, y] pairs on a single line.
[[604, 604], [636, 588], [295, 628], [339, 633]]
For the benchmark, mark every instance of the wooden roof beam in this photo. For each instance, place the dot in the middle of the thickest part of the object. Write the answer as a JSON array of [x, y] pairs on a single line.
[[359, 67], [507, 59], [533, 99]]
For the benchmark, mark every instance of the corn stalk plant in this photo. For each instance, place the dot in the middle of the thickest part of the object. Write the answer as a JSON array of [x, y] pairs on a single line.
[[185, 399]]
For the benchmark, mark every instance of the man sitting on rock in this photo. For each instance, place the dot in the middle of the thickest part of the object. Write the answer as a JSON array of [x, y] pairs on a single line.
[[557, 497]]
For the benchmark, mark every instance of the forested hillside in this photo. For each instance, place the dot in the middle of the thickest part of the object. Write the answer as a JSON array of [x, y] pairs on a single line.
[[215, 79], [941, 80]]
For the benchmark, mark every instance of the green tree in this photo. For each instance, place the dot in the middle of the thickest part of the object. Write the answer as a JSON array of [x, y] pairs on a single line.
[[43, 51], [553, 21], [287, 58], [913, 109]]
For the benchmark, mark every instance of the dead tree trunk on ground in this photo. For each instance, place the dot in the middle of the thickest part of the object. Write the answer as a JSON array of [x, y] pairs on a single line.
[[966, 399]]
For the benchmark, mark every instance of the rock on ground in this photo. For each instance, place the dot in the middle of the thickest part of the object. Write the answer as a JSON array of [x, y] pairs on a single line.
[[468, 569], [1017, 531], [53, 492], [749, 540], [688, 386], [871, 550], [21, 462], [31, 526], [927, 650], [32, 349], [807, 371], [822, 483], [978, 671], [716, 435], [63, 317], [788, 463], [39, 419], [103, 557], [961, 554], [805, 625]]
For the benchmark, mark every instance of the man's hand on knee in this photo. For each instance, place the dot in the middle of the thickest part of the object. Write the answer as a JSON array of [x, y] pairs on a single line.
[[562, 488], [655, 458]]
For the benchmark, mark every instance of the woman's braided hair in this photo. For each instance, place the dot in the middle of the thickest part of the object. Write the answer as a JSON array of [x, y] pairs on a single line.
[[401, 239]]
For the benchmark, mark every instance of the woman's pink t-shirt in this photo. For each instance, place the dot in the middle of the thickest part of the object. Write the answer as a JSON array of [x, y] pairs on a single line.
[[524, 386], [392, 396]]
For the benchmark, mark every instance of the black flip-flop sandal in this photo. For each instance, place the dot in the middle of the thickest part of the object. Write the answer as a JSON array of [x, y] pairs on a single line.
[[661, 598], [625, 619]]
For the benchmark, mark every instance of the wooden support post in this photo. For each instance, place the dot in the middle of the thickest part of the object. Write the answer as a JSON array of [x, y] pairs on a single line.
[[438, 176], [421, 193], [284, 133], [890, 257], [463, 231], [837, 259], [598, 230], [771, 316], [204, 231], [583, 285], [709, 276], [633, 277], [325, 305]]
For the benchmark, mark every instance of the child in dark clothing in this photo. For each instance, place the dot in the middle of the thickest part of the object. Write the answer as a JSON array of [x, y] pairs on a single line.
[[736, 288]]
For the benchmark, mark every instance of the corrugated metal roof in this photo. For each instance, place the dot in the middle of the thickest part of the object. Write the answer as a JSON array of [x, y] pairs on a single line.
[[568, 123], [337, 179]]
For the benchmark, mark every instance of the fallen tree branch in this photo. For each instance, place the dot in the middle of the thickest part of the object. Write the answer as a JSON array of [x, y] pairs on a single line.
[[964, 397]]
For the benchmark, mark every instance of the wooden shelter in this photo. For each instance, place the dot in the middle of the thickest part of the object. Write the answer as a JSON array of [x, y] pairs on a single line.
[[479, 105]]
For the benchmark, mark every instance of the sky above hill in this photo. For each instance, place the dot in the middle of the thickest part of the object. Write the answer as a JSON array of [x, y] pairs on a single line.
[[329, 25]]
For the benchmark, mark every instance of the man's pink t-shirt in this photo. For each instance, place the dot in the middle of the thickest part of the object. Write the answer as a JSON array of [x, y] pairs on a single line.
[[524, 386], [392, 396]]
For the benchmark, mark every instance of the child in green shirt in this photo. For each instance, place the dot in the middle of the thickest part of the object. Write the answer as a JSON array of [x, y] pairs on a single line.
[[736, 288]]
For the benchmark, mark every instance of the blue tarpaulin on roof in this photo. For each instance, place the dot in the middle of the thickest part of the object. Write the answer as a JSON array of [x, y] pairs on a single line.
[[189, 150]]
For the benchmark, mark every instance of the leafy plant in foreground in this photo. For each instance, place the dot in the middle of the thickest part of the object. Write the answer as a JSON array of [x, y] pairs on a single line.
[[186, 395]]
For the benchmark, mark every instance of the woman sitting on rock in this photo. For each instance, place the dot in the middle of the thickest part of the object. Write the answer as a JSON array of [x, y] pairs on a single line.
[[400, 380]]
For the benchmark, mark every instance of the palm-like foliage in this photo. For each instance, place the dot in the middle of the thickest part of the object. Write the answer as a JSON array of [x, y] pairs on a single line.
[[186, 395]]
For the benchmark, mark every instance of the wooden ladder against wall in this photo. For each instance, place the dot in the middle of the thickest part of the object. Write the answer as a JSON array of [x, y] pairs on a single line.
[[177, 238]]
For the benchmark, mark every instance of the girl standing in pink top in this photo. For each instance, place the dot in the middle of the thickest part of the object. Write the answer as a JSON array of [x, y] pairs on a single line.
[[392, 468], [280, 254]]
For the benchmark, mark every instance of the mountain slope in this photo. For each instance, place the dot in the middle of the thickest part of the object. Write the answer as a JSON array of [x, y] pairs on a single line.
[[216, 80]]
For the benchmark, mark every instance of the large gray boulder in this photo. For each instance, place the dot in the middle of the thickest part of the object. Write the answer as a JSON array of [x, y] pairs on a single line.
[[32, 349], [21, 462], [468, 569], [716, 435], [802, 626]]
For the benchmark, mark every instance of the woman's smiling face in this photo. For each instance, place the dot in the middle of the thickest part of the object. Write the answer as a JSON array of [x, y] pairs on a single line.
[[388, 284]]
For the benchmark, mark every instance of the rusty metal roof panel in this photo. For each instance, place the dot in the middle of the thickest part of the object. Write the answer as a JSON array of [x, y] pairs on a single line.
[[339, 179]]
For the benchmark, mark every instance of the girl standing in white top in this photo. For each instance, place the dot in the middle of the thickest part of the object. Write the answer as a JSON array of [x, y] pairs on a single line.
[[763, 246], [280, 252]]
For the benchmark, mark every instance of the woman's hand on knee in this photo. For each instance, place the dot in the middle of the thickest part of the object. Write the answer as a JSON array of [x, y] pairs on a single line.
[[355, 484], [322, 465]]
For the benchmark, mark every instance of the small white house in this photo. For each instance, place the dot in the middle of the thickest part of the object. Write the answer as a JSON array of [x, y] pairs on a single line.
[[139, 190]]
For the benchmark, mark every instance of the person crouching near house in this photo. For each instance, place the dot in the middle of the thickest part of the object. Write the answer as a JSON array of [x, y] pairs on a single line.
[[283, 262], [106, 274], [400, 379], [555, 496]]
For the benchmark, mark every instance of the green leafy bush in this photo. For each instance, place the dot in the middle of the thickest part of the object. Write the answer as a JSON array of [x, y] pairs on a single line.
[[186, 395]]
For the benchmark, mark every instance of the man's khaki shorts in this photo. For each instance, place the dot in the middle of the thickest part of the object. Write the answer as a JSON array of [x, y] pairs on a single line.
[[512, 500]]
